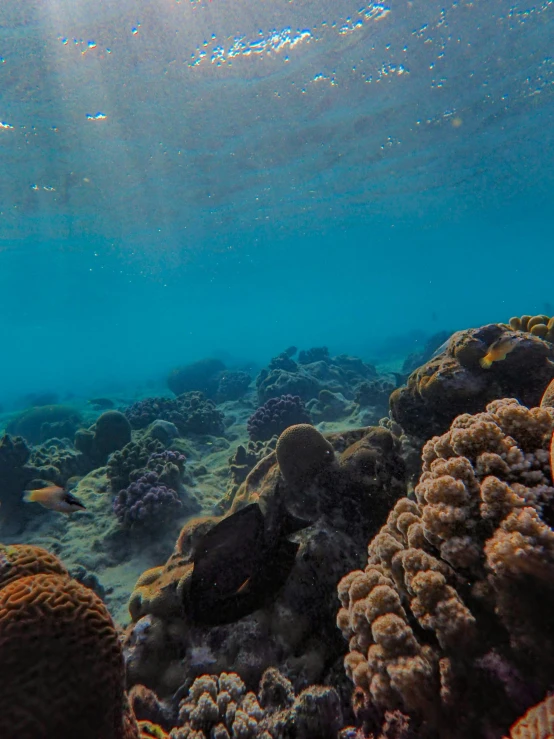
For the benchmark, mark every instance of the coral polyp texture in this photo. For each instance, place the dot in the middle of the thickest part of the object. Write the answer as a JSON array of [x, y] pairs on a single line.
[[454, 381], [275, 415], [539, 325], [62, 666], [220, 706], [191, 413], [450, 622]]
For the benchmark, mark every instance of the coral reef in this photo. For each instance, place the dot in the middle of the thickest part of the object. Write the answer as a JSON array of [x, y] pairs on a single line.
[[540, 325], [45, 422], [191, 413], [314, 372], [232, 386], [145, 501], [110, 433], [62, 665], [134, 456], [374, 392], [329, 407], [203, 375], [450, 620], [220, 706], [302, 452], [454, 382], [275, 415], [344, 493], [152, 497], [56, 461]]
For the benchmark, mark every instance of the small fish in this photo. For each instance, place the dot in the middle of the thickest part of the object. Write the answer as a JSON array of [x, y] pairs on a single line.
[[499, 350], [55, 499]]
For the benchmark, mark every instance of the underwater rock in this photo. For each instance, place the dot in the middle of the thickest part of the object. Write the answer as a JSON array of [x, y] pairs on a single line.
[[45, 422], [538, 722], [374, 393], [202, 375], [454, 381], [277, 382], [316, 354], [293, 628], [110, 433], [56, 632], [458, 590], [164, 431], [432, 345], [275, 415], [329, 407]]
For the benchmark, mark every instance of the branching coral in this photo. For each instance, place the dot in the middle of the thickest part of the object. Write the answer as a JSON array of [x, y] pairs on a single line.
[[454, 606]]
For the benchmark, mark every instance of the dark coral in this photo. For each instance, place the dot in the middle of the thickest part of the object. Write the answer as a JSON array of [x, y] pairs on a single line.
[[134, 456], [316, 354], [454, 382], [318, 371], [191, 413], [152, 495], [345, 499], [232, 386], [110, 433], [275, 415], [373, 393], [145, 501], [45, 422], [57, 461], [202, 375]]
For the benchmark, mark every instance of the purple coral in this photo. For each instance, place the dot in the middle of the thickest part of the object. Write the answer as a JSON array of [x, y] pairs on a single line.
[[190, 412], [145, 500], [274, 416]]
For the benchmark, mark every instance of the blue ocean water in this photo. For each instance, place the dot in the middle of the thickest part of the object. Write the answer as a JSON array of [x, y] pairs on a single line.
[[183, 179]]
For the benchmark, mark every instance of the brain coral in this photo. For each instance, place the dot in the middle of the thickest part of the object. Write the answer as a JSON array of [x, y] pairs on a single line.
[[454, 382], [301, 452], [450, 621], [62, 667]]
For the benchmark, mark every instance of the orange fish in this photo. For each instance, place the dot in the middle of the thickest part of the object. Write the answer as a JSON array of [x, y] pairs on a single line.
[[499, 350], [55, 499]]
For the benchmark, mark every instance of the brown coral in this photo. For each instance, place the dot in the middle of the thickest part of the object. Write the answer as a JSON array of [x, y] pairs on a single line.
[[62, 667], [302, 452], [22, 560], [540, 325], [453, 382], [538, 722], [463, 573]]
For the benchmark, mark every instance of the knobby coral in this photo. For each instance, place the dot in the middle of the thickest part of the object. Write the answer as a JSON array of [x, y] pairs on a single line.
[[275, 416], [450, 620], [540, 325]]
